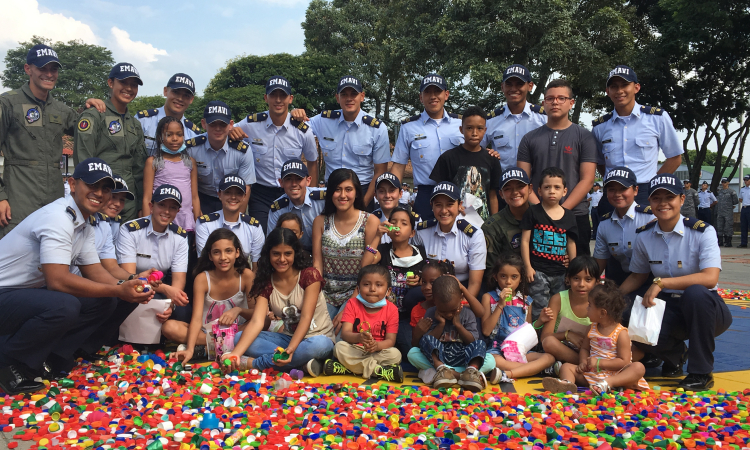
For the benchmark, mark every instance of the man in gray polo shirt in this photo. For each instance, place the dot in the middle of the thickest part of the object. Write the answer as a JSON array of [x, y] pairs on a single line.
[[564, 144]]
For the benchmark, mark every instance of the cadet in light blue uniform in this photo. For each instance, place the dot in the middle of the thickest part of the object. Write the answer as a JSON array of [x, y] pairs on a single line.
[[632, 134], [298, 198], [217, 156], [247, 228], [453, 239], [179, 93], [47, 312], [105, 245], [112, 211], [744, 211], [706, 200], [275, 137], [387, 193], [424, 137], [684, 257]]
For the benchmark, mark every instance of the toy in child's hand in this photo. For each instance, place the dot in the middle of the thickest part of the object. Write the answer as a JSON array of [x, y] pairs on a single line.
[[145, 287], [409, 274], [155, 276], [228, 361], [280, 354], [390, 228]]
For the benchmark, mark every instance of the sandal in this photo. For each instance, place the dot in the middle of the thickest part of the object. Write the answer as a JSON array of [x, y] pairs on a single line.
[[600, 388], [558, 386]]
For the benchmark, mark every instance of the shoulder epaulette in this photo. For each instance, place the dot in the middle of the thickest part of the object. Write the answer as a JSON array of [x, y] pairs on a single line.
[[71, 212], [302, 126], [195, 128], [378, 213], [95, 218], [147, 113], [250, 220], [607, 215], [466, 227], [240, 146], [652, 110], [455, 116], [414, 214], [257, 117], [697, 225], [176, 229], [369, 120], [537, 109], [331, 114], [117, 219], [601, 119], [137, 224], [643, 209], [208, 217], [497, 112], [646, 227], [196, 141], [283, 202], [318, 195], [427, 224], [411, 119]]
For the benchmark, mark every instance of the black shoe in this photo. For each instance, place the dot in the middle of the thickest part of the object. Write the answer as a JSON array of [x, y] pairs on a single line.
[[697, 382], [650, 361], [50, 374], [728, 241], [14, 382], [742, 246], [669, 370], [86, 356]]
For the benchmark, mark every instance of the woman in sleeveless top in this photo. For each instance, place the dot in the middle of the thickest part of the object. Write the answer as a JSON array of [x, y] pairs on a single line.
[[288, 285]]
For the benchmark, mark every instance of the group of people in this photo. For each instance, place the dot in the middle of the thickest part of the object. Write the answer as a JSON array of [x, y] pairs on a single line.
[[458, 283]]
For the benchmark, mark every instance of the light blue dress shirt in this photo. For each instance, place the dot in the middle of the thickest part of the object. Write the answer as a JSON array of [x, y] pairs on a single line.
[[214, 165], [149, 120], [247, 229], [705, 198], [308, 211], [616, 235], [140, 244], [105, 244], [464, 251], [505, 130]]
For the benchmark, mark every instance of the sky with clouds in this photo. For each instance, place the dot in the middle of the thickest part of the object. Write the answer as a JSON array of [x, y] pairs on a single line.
[[161, 38]]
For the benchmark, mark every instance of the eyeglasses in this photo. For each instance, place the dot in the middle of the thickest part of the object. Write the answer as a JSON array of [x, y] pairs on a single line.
[[551, 99]]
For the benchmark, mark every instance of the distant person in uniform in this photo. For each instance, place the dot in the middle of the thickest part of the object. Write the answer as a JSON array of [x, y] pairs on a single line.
[[690, 207], [744, 211], [706, 201], [596, 196], [726, 200]]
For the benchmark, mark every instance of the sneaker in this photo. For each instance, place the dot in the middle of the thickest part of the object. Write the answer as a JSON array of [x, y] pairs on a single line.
[[497, 376], [14, 382], [181, 348], [472, 380], [199, 352], [333, 367], [444, 378], [553, 370], [558, 386], [313, 368], [392, 373], [427, 375]]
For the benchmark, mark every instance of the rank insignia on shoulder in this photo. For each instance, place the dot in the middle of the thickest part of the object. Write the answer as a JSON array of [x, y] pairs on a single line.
[[646, 227], [427, 224], [415, 215], [643, 209], [302, 126], [147, 113], [137, 224], [601, 119], [371, 121], [378, 213], [208, 217], [466, 227], [191, 126], [240, 146], [279, 204], [196, 141], [319, 194], [331, 114], [653, 110], [538, 109], [257, 117], [695, 224], [71, 212], [497, 112], [411, 119], [607, 215], [455, 116], [250, 220], [176, 229]]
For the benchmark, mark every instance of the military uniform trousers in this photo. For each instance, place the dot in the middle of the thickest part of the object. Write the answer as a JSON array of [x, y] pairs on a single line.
[[744, 223], [261, 199]]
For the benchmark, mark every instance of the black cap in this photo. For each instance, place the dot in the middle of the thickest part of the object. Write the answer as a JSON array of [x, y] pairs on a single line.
[[294, 167], [389, 177], [92, 170], [40, 55], [217, 110], [625, 72], [514, 173], [122, 186], [746, 177], [433, 79], [446, 188], [705, 182], [349, 81], [278, 82], [621, 175], [665, 181], [167, 192], [233, 180], [125, 70], [725, 180], [597, 184], [182, 81], [686, 181], [518, 71]]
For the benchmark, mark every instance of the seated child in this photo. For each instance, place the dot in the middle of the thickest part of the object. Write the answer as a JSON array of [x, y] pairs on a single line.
[[452, 344], [605, 358], [368, 334], [432, 270], [507, 309], [566, 319]]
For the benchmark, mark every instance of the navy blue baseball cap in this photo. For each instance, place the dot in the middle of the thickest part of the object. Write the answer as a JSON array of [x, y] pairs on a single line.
[[121, 186], [725, 180], [433, 79], [232, 180], [389, 177], [621, 175], [40, 55], [625, 72], [519, 71], [514, 173], [125, 70], [349, 81], [181, 81], [217, 110], [746, 177], [278, 82], [167, 192], [665, 181], [294, 167], [446, 188], [92, 170]]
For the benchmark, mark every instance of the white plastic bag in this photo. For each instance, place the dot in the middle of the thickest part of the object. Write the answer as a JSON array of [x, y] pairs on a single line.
[[645, 323], [519, 343], [142, 326]]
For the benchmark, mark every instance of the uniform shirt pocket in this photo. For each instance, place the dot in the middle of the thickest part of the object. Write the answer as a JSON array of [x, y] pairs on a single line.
[[500, 141], [259, 147], [363, 153], [328, 147], [292, 151], [646, 145]]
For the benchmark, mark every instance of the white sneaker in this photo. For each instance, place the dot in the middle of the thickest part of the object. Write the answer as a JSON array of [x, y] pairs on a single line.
[[497, 376], [181, 348], [427, 375]]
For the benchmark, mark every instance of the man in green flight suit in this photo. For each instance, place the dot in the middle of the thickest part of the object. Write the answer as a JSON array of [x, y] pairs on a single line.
[[116, 136], [32, 124]]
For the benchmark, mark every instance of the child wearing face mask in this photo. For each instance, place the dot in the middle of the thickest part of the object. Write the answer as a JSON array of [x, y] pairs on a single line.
[[171, 164]]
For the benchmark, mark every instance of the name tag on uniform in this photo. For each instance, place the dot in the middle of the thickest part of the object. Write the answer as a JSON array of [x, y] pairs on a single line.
[[498, 137], [614, 244], [607, 141], [654, 262], [150, 138], [257, 142], [420, 136], [141, 255], [328, 138]]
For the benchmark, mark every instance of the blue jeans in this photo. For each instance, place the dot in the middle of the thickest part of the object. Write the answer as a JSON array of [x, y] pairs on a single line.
[[264, 346], [453, 353], [420, 361]]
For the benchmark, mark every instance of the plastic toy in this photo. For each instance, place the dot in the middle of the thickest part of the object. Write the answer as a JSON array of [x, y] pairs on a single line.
[[280, 354]]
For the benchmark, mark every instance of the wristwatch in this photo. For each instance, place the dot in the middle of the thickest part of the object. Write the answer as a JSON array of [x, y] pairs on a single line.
[[657, 281], [120, 282]]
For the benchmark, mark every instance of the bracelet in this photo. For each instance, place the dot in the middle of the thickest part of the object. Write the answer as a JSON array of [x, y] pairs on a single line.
[[597, 364], [371, 250], [566, 334], [132, 276], [120, 282], [537, 327]]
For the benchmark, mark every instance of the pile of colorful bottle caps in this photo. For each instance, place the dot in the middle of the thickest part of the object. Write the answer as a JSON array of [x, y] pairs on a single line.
[[732, 294], [154, 403]]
